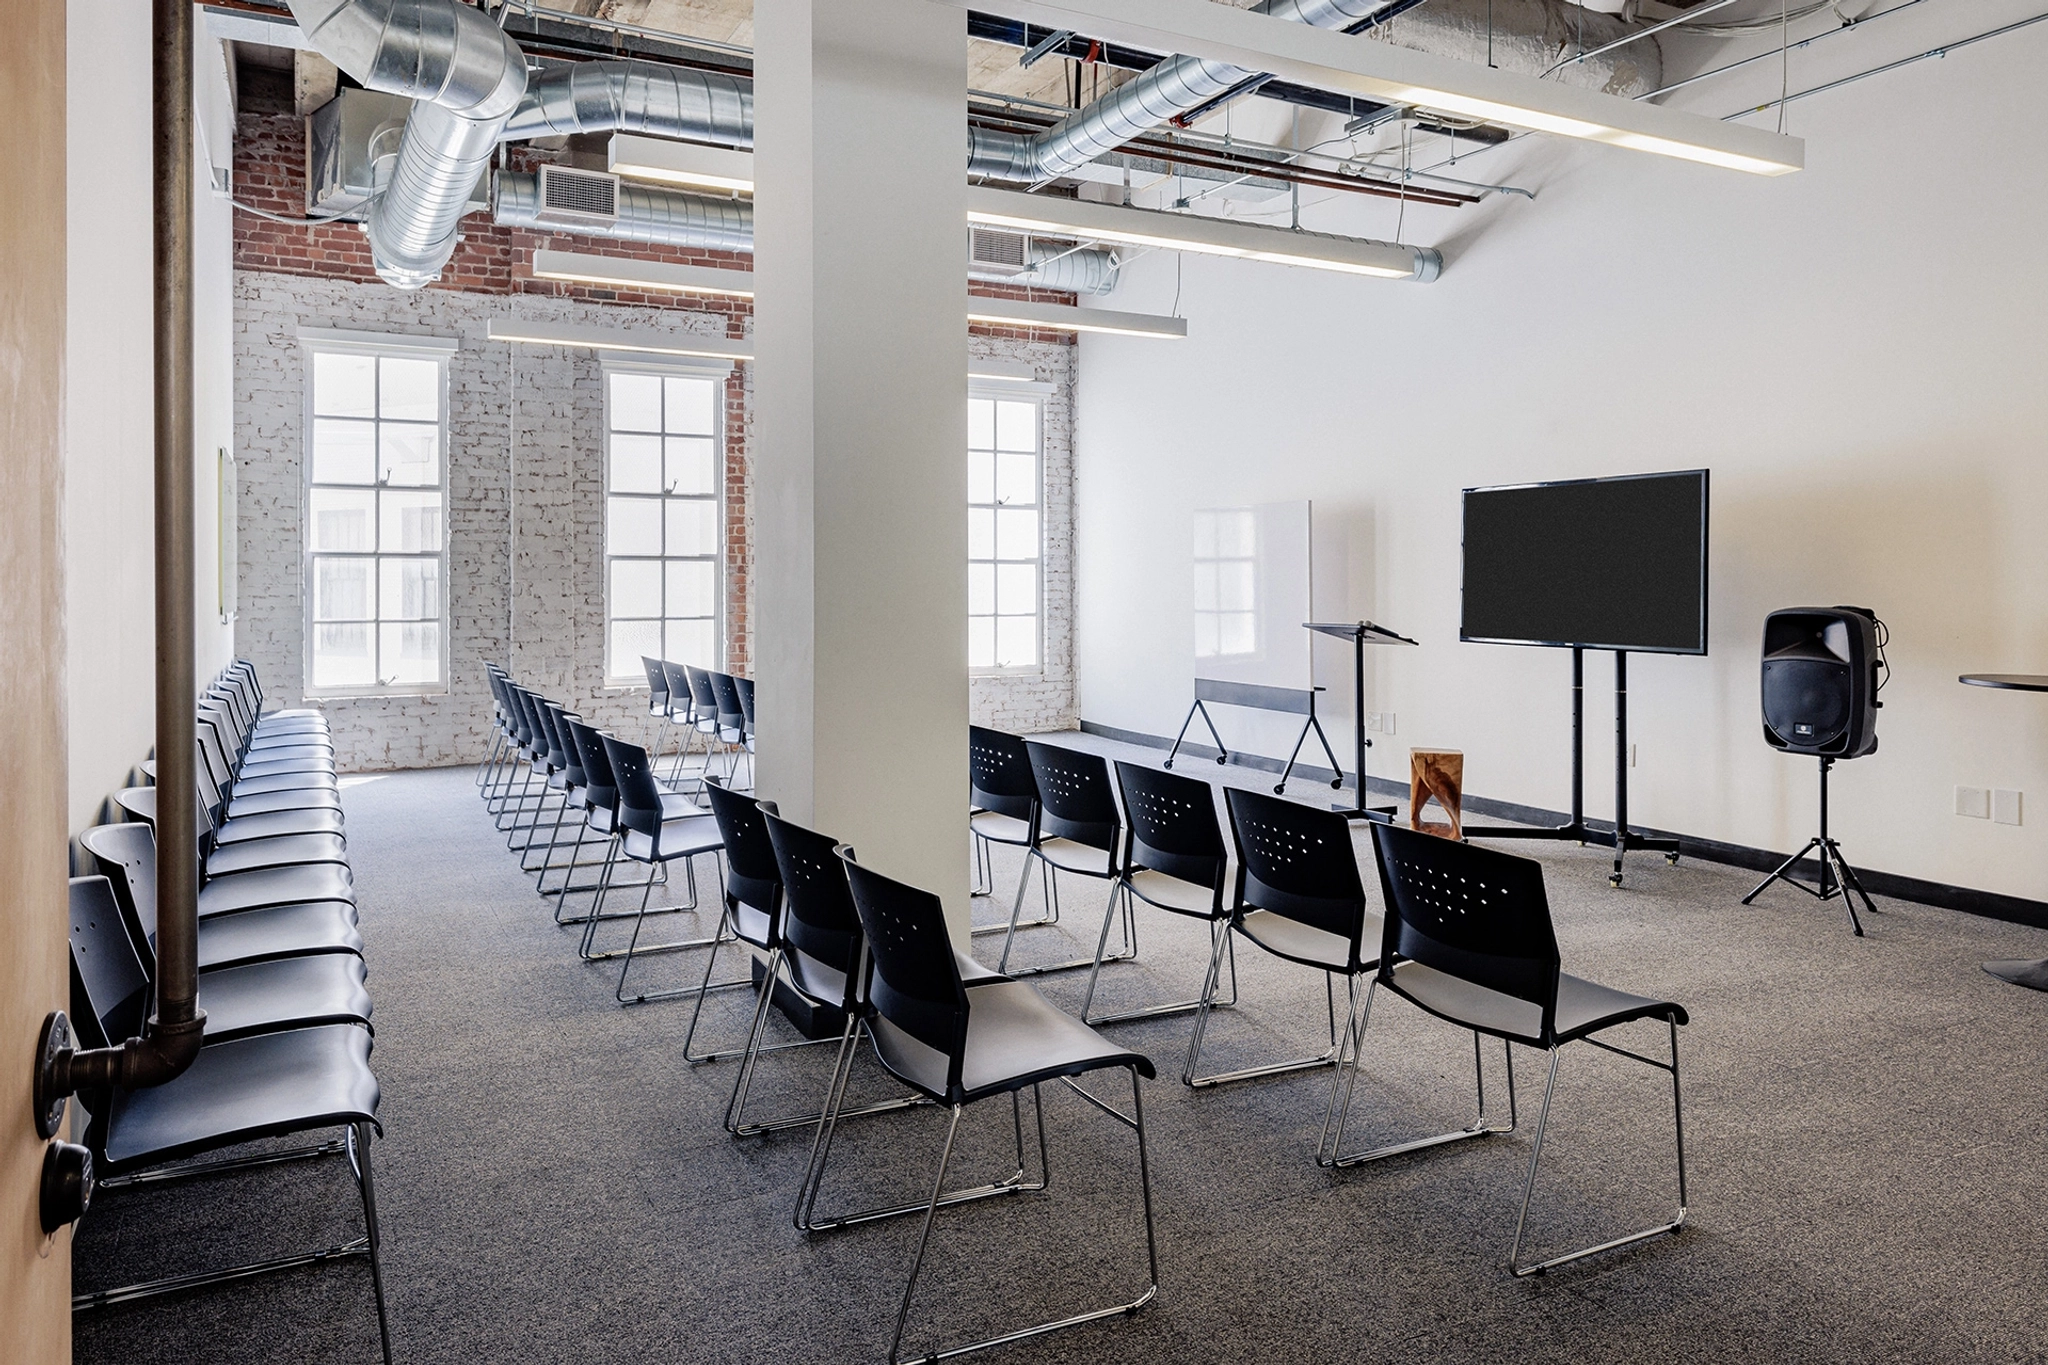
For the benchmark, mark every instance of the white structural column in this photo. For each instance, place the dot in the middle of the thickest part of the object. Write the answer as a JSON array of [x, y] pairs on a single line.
[[860, 429]]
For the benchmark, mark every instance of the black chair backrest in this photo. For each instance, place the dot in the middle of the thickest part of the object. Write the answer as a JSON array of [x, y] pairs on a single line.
[[562, 751], [215, 755], [526, 703], [914, 982], [600, 788], [1173, 825], [999, 774], [682, 699], [1475, 913], [126, 855], [751, 875], [703, 701], [819, 921], [732, 721], [745, 688], [1297, 861], [106, 972], [639, 793], [1074, 799], [657, 684]]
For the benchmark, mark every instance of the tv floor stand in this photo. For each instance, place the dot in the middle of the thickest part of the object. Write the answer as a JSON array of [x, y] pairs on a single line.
[[1623, 838]]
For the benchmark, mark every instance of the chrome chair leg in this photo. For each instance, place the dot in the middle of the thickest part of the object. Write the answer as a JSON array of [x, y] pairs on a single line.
[[359, 1159], [1048, 892], [1136, 1122], [1128, 951], [589, 951], [1515, 1267], [1189, 1076], [736, 1107], [1216, 927], [764, 993], [1330, 1146]]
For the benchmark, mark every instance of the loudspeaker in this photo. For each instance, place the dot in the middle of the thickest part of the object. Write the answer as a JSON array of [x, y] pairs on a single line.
[[1822, 669]]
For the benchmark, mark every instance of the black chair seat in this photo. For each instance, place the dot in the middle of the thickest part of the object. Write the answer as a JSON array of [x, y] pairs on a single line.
[[1172, 893], [680, 837], [313, 741], [278, 932], [1015, 1038], [275, 824], [998, 828], [292, 992], [1069, 855], [286, 850], [248, 785], [241, 806], [266, 1085], [286, 762], [275, 886], [1304, 943], [1583, 1006]]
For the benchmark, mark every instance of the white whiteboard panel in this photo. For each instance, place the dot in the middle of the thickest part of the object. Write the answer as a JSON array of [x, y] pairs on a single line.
[[1253, 587]]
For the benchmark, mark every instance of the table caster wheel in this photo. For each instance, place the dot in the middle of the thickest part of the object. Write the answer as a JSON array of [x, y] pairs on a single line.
[[1222, 759], [1337, 785], [1280, 790], [1614, 879], [1671, 858]]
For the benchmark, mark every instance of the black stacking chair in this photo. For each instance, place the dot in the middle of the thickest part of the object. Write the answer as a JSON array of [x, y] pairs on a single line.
[[242, 999], [562, 772], [1002, 806], [819, 949], [732, 718], [657, 702], [703, 714], [654, 828], [1174, 859], [1298, 896], [127, 855], [264, 793], [261, 1085], [599, 798], [1078, 831], [753, 909], [1468, 938], [958, 1047]]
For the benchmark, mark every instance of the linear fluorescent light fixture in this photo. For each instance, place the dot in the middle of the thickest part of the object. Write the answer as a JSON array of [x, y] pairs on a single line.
[[1208, 236], [1347, 65], [682, 163], [1061, 317], [618, 339], [621, 272]]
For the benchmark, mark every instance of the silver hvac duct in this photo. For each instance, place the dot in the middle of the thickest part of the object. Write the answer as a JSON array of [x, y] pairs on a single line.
[[636, 97], [671, 218], [1162, 93], [466, 78]]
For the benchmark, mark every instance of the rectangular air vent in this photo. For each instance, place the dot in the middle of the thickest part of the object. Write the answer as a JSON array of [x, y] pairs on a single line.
[[995, 251], [571, 197]]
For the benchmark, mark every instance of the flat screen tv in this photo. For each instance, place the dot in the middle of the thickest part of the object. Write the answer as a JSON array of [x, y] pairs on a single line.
[[1604, 563]]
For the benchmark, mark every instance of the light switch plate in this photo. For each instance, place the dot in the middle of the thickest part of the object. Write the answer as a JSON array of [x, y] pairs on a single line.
[[1975, 802], [2005, 807]]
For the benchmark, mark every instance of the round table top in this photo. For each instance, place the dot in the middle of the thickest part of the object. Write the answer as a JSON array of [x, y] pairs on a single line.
[[2016, 682]]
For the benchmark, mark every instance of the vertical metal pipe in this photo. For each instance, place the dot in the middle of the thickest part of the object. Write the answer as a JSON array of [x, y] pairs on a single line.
[[1620, 757], [177, 880], [1578, 738]]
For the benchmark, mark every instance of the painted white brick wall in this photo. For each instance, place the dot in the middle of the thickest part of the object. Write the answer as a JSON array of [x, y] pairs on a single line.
[[526, 514]]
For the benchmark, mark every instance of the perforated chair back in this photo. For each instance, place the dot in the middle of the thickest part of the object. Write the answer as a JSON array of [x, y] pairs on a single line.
[[732, 721], [820, 927], [1074, 797], [703, 701], [600, 788], [562, 751], [1297, 861], [744, 687], [999, 774], [107, 972], [913, 983], [639, 794], [1173, 826], [752, 877], [657, 686], [682, 697], [126, 855], [1474, 913]]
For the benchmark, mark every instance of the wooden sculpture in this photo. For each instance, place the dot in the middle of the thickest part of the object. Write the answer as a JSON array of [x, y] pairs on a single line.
[[1439, 773]]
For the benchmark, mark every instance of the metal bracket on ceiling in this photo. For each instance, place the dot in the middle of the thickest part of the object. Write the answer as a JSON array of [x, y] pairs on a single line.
[[1059, 38]]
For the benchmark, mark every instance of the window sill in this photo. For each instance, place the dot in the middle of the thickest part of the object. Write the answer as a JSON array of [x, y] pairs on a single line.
[[375, 694], [1005, 674]]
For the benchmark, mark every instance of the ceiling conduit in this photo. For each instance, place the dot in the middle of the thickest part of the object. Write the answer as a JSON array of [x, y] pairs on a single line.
[[636, 97], [661, 217], [466, 79]]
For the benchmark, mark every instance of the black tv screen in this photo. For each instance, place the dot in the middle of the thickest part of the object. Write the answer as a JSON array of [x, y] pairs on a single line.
[[1604, 563]]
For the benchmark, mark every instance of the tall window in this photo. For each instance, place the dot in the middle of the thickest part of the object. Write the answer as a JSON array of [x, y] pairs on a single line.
[[376, 521], [1005, 466], [1226, 582], [664, 474]]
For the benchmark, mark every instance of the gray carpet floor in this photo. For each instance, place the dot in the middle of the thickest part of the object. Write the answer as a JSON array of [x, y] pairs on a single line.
[[1864, 1122]]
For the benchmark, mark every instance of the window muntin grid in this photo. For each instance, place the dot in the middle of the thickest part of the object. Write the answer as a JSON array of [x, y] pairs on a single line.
[[664, 520], [1005, 534]]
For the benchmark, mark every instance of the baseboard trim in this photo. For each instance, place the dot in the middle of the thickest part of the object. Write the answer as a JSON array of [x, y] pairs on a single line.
[[1969, 900]]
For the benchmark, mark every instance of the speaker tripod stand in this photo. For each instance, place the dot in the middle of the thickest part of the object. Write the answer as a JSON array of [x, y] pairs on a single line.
[[1837, 878]]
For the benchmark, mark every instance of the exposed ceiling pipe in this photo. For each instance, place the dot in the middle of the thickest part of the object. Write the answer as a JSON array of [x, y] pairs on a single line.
[[466, 79], [662, 217], [636, 97], [1174, 87]]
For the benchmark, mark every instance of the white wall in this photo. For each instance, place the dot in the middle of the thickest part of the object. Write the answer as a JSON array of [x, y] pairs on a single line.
[[1855, 351], [109, 397]]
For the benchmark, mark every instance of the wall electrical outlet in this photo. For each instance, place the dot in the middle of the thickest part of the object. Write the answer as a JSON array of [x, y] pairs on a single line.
[[1376, 721], [1631, 755], [2005, 807], [1387, 721], [1974, 802]]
